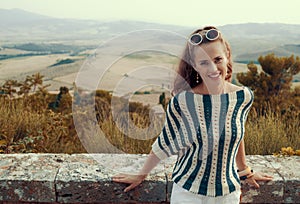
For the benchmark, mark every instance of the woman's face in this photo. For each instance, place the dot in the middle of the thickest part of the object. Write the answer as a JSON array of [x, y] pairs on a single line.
[[211, 63]]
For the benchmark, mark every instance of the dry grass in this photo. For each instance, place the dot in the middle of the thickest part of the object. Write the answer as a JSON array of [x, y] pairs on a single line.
[[30, 130], [269, 133], [34, 127], [28, 125], [23, 129]]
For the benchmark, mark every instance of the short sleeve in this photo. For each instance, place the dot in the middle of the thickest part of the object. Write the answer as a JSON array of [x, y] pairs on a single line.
[[173, 136]]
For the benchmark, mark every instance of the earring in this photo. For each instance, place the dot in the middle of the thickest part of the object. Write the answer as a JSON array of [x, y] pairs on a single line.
[[227, 75], [197, 78]]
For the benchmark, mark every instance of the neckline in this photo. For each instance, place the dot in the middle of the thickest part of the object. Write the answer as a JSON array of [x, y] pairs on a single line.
[[217, 95]]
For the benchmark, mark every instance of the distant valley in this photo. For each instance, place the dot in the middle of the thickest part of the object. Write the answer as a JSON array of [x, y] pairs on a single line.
[[31, 42]]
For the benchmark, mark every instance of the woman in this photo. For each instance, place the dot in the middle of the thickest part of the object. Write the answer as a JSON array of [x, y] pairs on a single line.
[[204, 127]]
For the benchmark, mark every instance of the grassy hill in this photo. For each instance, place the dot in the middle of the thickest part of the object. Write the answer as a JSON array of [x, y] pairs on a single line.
[[248, 40]]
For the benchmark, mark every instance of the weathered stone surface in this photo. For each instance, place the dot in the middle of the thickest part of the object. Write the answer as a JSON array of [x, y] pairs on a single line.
[[289, 169], [269, 192], [86, 178], [28, 177]]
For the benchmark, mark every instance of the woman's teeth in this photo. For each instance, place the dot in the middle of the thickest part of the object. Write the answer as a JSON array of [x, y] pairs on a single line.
[[215, 75]]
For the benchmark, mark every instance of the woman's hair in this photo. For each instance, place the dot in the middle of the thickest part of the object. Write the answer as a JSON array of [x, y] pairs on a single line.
[[186, 75]]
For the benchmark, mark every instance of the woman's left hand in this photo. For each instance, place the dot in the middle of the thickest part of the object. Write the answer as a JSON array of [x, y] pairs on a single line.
[[258, 176]]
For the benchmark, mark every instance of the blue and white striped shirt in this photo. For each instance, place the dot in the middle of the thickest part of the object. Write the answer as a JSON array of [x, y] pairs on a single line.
[[205, 132]]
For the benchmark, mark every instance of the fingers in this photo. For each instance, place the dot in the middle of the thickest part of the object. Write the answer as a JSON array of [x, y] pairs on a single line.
[[258, 177], [122, 180], [132, 180], [118, 176], [256, 185], [266, 178], [252, 182], [132, 186], [116, 179]]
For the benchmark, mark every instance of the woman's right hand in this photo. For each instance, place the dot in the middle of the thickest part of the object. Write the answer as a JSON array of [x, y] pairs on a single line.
[[136, 179], [133, 180]]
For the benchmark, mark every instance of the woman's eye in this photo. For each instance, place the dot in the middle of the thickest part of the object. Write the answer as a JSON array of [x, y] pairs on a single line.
[[218, 60], [202, 63]]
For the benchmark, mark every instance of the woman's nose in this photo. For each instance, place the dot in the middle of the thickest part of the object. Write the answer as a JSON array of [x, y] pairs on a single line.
[[213, 66]]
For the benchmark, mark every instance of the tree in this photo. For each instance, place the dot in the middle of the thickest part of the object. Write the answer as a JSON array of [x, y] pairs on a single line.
[[272, 84], [36, 79], [9, 88]]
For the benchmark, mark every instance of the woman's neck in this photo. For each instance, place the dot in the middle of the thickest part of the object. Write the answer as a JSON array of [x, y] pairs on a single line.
[[203, 89]]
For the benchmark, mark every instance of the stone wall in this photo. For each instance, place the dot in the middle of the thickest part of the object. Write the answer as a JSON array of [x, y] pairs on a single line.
[[86, 178]]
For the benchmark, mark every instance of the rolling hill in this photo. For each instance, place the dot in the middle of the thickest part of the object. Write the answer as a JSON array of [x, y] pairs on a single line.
[[248, 41]]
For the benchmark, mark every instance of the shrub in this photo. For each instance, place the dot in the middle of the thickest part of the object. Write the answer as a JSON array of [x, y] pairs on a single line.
[[28, 125], [266, 134]]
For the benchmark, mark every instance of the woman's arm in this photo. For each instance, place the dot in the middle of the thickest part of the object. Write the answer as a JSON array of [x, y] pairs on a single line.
[[242, 165], [135, 180], [241, 156]]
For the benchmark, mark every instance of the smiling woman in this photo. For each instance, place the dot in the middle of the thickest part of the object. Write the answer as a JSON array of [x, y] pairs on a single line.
[[204, 127], [205, 59]]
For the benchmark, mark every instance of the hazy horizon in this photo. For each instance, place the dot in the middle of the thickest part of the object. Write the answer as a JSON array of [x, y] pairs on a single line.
[[183, 13]]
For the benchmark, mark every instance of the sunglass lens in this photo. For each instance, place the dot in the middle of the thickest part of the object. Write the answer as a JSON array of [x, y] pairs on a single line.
[[212, 34], [196, 39]]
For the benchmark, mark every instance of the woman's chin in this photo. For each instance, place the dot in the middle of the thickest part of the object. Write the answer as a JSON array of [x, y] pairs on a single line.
[[215, 86]]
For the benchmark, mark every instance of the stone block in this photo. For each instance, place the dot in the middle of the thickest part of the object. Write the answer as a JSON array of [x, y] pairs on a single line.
[[288, 168], [86, 179], [269, 192], [28, 177]]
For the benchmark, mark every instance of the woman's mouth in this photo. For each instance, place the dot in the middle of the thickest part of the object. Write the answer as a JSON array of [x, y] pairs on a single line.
[[214, 75]]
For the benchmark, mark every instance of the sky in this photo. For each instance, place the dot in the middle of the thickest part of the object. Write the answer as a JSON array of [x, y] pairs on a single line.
[[177, 12]]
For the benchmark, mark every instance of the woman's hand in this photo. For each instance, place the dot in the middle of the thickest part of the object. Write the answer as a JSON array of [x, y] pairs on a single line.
[[133, 180], [258, 176]]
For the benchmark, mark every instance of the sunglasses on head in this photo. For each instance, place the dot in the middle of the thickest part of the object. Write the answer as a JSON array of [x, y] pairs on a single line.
[[210, 35]]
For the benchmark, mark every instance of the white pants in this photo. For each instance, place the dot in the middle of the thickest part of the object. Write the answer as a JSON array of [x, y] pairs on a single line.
[[182, 196]]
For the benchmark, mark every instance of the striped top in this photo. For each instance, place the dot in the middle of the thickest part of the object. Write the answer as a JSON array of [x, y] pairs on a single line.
[[205, 132]]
